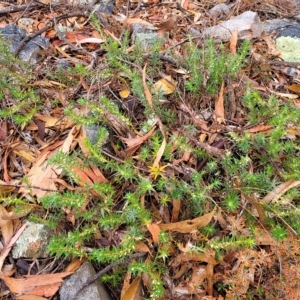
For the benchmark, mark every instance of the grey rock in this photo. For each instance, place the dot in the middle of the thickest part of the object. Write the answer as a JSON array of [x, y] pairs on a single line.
[[91, 132], [13, 34], [278, 24], [147, 40], [63, 63], [106, 6], [248, 25], [194, 32], [292, 31], [144, 36], [288, 43], [219, 11], [95, 291], [33, 241]]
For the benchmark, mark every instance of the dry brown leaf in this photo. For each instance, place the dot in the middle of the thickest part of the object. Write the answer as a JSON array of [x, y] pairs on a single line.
[[95, 174], [148, 96], [294, 131], [260, 128], [7, 248], [219, 106], [176, 210], [185, 248], [258, 206], [155, 230], [284, 95], [194, 256], [272, 49], [137, 141], [209, 276], [90, 40], [141, 247], [38, 285], [286, 5], [262, 237], [165, 85], [6, 225], [83, 179], [5, 189], [185, 4], [30, 297], [68, 143], [126, 283], [52, 121], [274, 195], [74, 265], [182, 271], [160, 153], [25, 155], [214, 151], [186, 288], [130, 21], [294, 88], [233, 41], [64, 184], [198, 276], [167, 25], [43, 175], [3, 130], [188, 225], [8, 270], [134, 292], [146, 89]]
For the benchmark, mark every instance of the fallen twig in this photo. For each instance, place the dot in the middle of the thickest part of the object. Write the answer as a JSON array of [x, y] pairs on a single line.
[[214, 151], [28, 187]]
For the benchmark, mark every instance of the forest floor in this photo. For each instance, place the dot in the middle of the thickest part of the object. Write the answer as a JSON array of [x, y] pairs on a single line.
[[171, 159]]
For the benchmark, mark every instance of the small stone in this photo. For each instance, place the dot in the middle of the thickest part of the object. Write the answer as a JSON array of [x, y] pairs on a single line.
[[14, 34], [144, 36], [91, 132], [33, 241], [63, 64], [94, 291], [219, 11], [106, 6], [147, 40]]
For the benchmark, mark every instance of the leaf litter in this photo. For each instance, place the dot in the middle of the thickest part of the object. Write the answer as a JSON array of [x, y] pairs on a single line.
[[197, 274]]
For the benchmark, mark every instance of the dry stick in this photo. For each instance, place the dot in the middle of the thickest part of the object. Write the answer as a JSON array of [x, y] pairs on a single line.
[[162, 53], [23, 13], [28, 187], [219, 144], [214, 151], [107, 269], [16, 8], [285, 63]]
